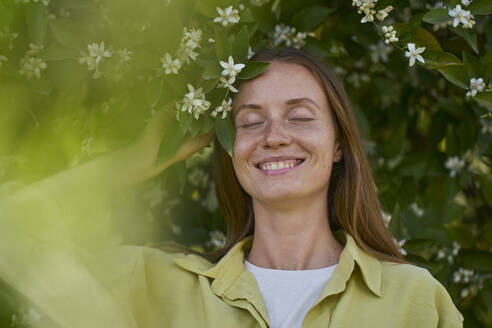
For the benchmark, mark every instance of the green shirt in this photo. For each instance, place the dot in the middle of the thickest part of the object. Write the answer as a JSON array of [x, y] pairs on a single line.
[[132, 286], [189, 291]]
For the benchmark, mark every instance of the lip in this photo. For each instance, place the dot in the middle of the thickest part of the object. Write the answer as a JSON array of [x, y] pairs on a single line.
[[279, 171], [277, 159]]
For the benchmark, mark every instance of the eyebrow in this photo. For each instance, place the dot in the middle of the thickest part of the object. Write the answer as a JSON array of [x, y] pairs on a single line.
[[292, 101]]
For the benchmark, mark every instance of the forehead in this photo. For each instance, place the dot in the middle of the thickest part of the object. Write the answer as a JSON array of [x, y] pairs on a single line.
[[279, 83]]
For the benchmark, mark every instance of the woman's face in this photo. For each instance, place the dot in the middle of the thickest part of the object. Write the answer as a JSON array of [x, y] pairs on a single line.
[[285, 137]]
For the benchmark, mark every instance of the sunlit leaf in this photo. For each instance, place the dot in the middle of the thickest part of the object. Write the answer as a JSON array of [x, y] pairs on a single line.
[[480, 7], [436, 16], [225, 133], [252, 69], [440, 59], [308, 18]]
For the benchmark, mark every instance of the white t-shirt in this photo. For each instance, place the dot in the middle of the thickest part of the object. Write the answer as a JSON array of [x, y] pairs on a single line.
[[289, 294]]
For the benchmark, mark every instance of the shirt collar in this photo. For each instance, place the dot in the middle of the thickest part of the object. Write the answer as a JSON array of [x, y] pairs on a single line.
[[231, 266]]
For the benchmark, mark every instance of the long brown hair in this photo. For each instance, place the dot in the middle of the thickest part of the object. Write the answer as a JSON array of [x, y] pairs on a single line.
[[353, 203]]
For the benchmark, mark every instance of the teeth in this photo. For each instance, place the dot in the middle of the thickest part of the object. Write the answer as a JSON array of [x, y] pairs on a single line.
[[279, 165]]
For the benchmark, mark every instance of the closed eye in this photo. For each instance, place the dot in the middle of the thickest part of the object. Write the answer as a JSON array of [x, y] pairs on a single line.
[[250, 125], [302, 119]]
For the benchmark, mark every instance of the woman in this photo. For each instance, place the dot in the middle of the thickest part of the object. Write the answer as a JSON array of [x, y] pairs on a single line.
[[306, 244]]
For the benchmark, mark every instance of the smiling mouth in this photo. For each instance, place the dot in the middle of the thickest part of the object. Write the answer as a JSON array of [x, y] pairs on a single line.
[[279, 165]]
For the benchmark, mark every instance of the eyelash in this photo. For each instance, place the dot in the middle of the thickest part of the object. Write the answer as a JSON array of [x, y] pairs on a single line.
[[302, 119]]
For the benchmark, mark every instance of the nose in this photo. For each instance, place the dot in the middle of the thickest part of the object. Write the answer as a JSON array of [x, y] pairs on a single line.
[[276, 135]]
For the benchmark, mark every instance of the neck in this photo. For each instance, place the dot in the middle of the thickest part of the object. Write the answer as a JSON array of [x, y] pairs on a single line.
[[294, 238]]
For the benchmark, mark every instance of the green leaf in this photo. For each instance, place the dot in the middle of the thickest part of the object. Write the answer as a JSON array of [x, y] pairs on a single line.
[[196, 126], [223, 48], [37, 22], [317, 47], [56, 51], [225, 133], [207, 9], [472, 65], [440, 59], [208, 123], [480, 261], [209, 85], [68, 75], [185, 121], [212, 71], [484, 99], [241, 45], [154, 92], [486, 62], [421, 37], [412, 27], [455, 75], [469, 35], [309, 18], [247, 16], [480, 7], [42, 86], [486, 187], [252, 69], [173, 136], [436, 16], [69, 34]]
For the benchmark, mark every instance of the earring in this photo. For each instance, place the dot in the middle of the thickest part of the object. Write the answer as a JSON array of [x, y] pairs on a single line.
[[339, 156]]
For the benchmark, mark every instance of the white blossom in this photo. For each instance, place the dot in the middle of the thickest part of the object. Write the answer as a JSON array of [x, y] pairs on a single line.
[[258, 3], [189, 43], [365, 7], [476, 85], [44, 2], [471, 290], [227, 83], [399, 244], [125, 55], [250, 53], [449, 254], [289, 36], [389, 34], [386, 218], [454, 165], [224, 108], [8, 36], [227, 16], [27, 318], [170, 66], [414, 53], [356, 78], [416, 209], [486, 126], [95, 54], [194, 102], [380, 51], [382, 14], [217, 239], [466, 2], [462, 275], [87, 145], [31, 66], [229, 68], [34, 49], [461, 16], [3, 58], [155, 194]]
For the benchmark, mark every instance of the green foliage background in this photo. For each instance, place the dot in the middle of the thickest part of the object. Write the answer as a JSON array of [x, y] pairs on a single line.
[[412, 119]]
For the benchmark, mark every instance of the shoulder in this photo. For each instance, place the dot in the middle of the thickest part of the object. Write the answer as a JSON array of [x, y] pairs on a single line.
[[149, 263], [416, 287]]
